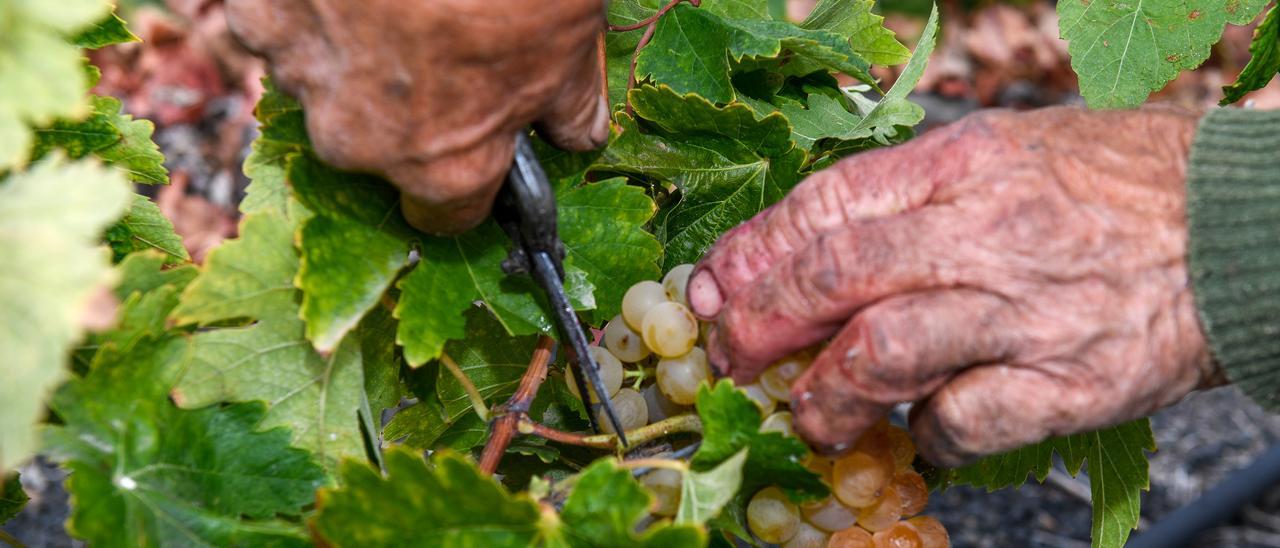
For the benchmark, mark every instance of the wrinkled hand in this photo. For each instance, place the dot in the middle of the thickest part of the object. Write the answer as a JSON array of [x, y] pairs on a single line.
[[1018, 275], [430, 93]]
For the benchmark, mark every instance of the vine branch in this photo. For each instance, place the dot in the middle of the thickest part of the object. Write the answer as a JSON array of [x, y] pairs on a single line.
[[503, 428]]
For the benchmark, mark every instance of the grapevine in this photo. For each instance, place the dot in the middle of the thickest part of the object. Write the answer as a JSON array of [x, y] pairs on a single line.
[[333, 376]]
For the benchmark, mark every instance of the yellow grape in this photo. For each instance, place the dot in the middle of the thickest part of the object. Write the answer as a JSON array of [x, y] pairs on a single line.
[[859, 479], [678, 378], [822, 465], [625, 344], [807, 536], [912, 490], [762, 400], [660, 407], [932, 533], [829, 515], [883, 514], [637, 301], [631, 411], [853, 537], [776, 380], [772, 516], [779, 422], [610, 373], [675, 282], [901, 447], [899, 535], [669, 329], [665, 486]]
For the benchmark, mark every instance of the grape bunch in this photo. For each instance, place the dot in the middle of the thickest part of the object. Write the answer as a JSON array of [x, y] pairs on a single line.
[[876, 495]]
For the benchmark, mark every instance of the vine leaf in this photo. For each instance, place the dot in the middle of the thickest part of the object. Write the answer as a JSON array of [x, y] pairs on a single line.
[[50, 221], [452, 504], [731, 423], [1263, 65], [316, 396], [115, 138], [284, 133], [448, 502], [866, 31], [1124, 50], [692, 50], [145, 472], [12, 497], [145, 227], [704, 494], [109, 31], [727, 164], [41, 75], [1117, 473], [826, 118]]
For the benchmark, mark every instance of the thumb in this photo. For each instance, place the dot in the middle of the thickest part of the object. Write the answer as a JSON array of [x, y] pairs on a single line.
[[578, 118]]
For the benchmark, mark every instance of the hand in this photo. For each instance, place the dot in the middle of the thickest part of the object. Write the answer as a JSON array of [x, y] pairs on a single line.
[[431, 93], [1019, 276]]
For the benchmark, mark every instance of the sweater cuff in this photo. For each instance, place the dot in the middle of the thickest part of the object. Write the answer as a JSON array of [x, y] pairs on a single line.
[[1233, 210]]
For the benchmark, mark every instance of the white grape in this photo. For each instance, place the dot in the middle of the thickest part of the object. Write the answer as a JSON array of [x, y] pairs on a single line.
[[623, 342], [631, 409], [669, 329], [776, 380], [807, 536], [762, 400], [772, 517], [610, 373], [678, 378], [829, 515], [638, 300], [779, 422], [675, 282], [660, 406], [665, 486]]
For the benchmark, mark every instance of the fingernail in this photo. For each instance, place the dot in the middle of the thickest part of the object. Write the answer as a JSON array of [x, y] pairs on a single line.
[[704, 295], [600, 126]]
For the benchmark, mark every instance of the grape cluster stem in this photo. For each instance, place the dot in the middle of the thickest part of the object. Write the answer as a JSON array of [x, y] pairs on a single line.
[[512, 417]]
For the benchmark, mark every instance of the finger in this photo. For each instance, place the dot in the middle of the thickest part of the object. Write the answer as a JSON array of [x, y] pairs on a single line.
[[810, 295], [999, 407], [897, 350], [578, 118], [870, 185], [454, 193]]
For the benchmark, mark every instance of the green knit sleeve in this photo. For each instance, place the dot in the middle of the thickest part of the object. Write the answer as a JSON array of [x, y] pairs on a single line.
[[1233, 210]]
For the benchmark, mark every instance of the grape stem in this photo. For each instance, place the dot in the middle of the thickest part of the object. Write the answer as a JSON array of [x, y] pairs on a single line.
[[669, 464], [507, 416], [671, 425], [11, 541]]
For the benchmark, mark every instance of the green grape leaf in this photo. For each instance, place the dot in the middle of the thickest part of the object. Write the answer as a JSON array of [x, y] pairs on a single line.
[[1117, 473], [692, 50], [604, 508], [866, 31], [727, 164], [148, 294], [144, 271], [50, 221], [352, 249], [283, 134], [145, 472], [113, 137], [826, 118], [704, 494], [454, 272], [317, 396], [1264, 63], [445, 503], [107, 32], [145, 227], [731, 423], [12, 497], [602, 225], [1123, 51], [41, 75]]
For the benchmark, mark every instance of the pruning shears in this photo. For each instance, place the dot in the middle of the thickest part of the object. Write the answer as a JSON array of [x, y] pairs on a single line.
[[526, 210]]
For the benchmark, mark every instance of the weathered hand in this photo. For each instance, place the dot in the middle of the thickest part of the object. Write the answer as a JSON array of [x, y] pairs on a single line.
[[430, 94], [1018, 275]]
